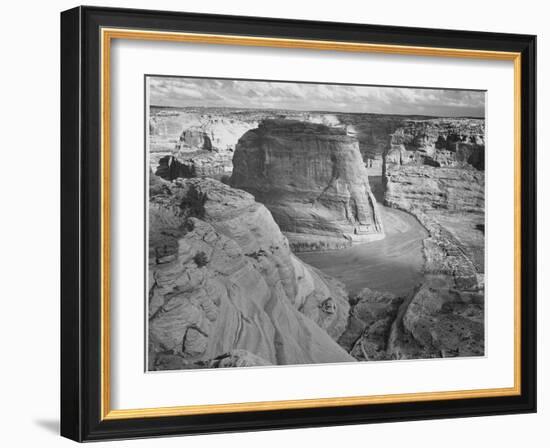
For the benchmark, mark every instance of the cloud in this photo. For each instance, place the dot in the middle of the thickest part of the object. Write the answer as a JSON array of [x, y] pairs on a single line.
[[187, 92]]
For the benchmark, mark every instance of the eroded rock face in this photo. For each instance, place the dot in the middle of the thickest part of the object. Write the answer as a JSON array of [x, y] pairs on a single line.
[[182, 132], [447, 142], [198, 164], [426, 189], [436, 320], [194, 139], [371, 319], [217, 253], [440, 321], [445, 315], [222, 278], [187, 143], [313, 180], [450, 204]]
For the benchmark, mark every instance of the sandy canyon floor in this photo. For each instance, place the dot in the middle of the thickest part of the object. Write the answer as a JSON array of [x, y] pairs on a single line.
[[394, 264]]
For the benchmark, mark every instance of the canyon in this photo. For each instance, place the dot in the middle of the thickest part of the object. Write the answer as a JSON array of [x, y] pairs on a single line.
[[286, 237], [223, 278]]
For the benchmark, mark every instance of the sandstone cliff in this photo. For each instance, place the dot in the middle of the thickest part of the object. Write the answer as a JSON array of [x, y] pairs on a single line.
[[216, 131], [222, 278], [313, 180], [216, 252], [458, 142], [194, 164], [193, 143], [213, 133], [445, 315]]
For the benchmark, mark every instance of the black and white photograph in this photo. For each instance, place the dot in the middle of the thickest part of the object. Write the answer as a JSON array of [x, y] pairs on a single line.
[[303, 223], [275, 224]]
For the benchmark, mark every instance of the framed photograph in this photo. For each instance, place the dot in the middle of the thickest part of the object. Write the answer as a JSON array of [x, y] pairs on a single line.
[[276, 224]]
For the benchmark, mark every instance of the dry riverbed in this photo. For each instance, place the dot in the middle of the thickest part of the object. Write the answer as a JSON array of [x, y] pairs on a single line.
[[394, 264]]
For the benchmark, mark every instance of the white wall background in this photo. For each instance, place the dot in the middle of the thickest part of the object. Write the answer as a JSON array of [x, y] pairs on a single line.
[[29, 228]]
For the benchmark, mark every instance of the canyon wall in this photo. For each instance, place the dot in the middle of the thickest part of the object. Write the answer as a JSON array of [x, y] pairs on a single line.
[[439, 178], [226, 290], [217, 252], [195, 143], [198, 142], [451, 142], [194, 164], [196, 137], [313, 180]]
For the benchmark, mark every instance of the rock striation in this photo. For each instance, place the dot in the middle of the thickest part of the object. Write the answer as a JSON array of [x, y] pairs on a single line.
[[450, 204], [436, 320], [184, 131], [196, 164], [213, 133], [225, 289], [372, 316], [442, 183], [313, 180], [439, 143], [193, 143]]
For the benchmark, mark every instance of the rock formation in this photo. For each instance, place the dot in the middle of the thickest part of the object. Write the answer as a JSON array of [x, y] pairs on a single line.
[[191, 143], [436, 320], [182, 132], [370, 322], [196, 164], [194, 139], [438, 142], [222, 278], [442, 183], [213, 133], [227, 291], [313, 180], [439, 320]]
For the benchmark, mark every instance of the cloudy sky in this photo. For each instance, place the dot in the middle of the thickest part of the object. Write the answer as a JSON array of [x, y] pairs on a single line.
[[185, 92]]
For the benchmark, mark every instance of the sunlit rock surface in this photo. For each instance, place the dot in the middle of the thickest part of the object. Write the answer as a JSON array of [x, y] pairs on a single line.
[[445, 314], [222, 278], [432, 168], [193, 142], [313, 180], [439, 143]]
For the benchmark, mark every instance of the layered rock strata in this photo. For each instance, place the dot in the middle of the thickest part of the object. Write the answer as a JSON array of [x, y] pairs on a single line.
[[190, 130], [438, 143], [313, 180], [194, 144], [222, 278], [433, 169], [445, 315], [197, 164]]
